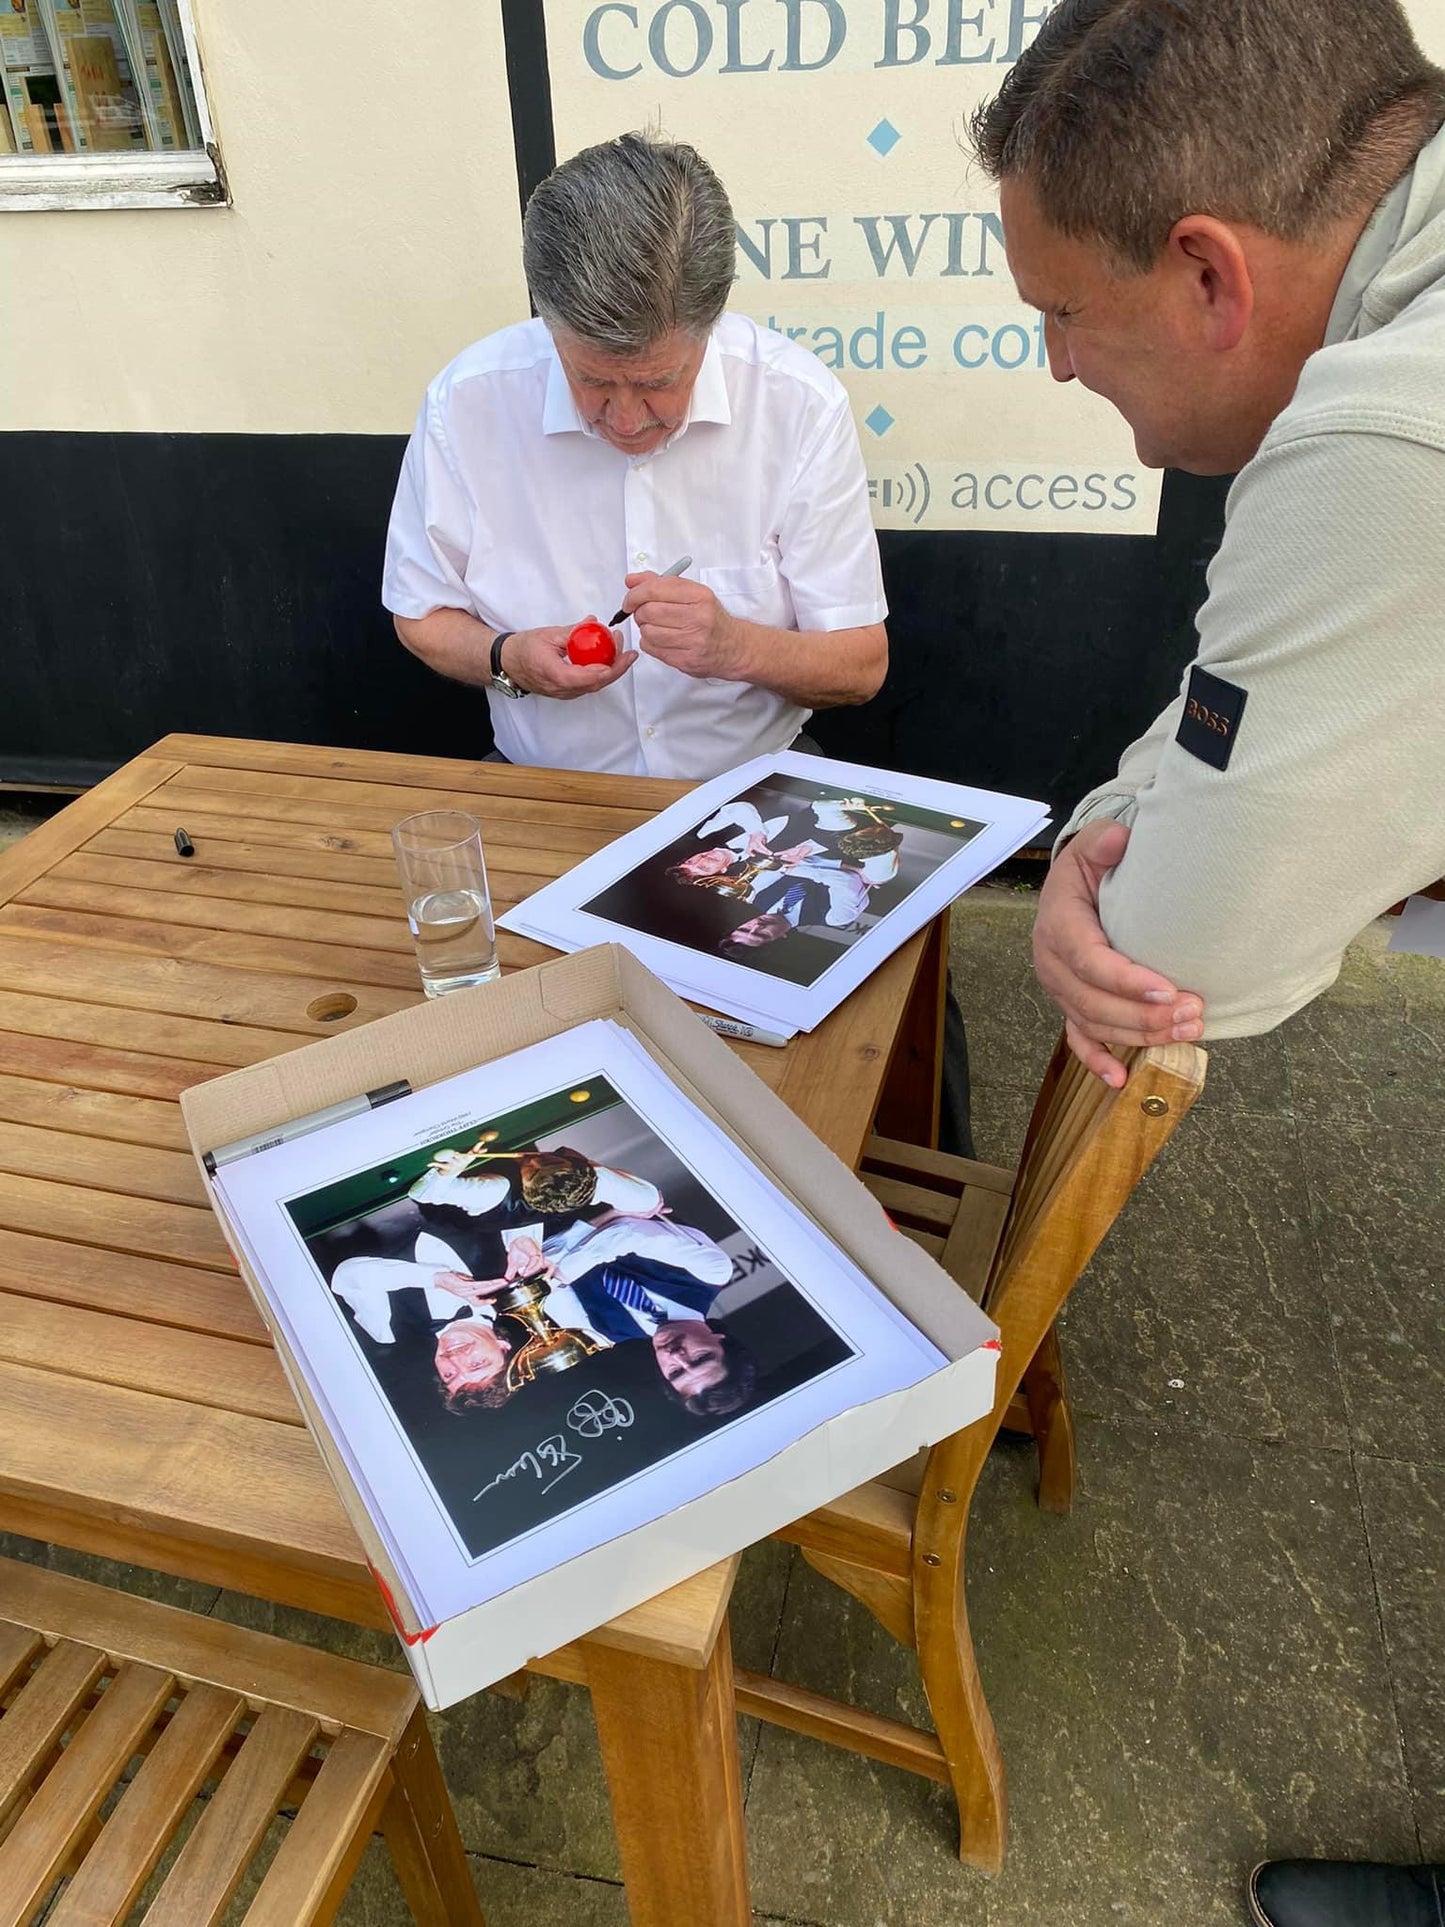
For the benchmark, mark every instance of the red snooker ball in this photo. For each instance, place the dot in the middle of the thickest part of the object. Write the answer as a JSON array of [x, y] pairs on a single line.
[[590, 643]]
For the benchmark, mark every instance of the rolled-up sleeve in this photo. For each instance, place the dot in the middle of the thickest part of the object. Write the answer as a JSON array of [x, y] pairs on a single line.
[[429, 536]]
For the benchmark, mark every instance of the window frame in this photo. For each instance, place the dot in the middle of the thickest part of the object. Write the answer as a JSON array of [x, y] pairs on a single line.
[[187, 177]]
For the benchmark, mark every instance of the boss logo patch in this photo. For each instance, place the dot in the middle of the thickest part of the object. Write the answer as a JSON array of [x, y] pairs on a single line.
[[1212, 713]]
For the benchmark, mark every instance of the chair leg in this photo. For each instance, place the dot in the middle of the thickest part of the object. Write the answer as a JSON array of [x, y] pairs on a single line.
[[1047, 1393], [946, 1659], [421, 1832]]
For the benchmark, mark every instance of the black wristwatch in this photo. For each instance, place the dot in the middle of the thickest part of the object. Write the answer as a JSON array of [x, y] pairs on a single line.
[[500, 679]]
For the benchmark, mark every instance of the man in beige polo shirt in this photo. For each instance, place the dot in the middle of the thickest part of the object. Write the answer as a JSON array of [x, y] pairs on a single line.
[[1232, 214]]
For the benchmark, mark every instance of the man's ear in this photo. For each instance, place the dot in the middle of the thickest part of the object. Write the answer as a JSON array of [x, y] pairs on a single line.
[[1211, 258]]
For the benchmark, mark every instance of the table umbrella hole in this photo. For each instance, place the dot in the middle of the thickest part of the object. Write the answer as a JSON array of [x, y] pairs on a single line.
[[331, 1008]]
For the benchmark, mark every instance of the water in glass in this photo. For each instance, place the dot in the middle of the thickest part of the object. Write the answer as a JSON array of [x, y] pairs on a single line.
[[455, 945]]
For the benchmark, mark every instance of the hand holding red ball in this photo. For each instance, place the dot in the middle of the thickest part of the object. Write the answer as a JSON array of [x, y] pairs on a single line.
[[590, 642]]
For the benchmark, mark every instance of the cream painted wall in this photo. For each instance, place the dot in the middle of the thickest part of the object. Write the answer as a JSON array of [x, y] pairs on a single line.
[[835, 125], [375, 231]]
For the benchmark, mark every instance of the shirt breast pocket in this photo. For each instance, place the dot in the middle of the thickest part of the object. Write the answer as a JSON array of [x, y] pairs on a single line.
[[757, 594]]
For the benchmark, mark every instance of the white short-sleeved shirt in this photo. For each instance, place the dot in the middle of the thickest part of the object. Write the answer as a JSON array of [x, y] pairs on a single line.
[[510, 508]]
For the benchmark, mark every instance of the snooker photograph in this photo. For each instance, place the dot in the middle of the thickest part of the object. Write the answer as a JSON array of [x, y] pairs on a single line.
[[787, 876], [552, 1304]]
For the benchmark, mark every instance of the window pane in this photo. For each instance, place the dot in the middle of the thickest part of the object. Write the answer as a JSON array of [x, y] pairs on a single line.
[[95, 76]]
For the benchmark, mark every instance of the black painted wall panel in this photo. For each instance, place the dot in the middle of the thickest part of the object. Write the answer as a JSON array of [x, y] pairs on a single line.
[[229, 584]]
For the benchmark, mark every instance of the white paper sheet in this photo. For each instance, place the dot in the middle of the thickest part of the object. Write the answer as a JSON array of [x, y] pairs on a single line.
[[1420, 928], [949, 837], [387, 1451]]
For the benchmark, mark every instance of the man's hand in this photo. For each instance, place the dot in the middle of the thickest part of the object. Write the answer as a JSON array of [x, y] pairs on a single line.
[[683, 623], [526, 1259], [1105, 998], [537, 661], [462, 1285]]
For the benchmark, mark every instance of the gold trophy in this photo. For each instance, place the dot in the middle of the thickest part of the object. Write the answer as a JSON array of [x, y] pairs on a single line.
[[549, 1347]]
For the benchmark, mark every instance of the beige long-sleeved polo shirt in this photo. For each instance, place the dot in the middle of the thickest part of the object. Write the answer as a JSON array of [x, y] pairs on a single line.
[[1326, 607]]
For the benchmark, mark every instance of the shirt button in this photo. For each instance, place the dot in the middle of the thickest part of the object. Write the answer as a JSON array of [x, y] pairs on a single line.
[[649, 731], [641, 556]]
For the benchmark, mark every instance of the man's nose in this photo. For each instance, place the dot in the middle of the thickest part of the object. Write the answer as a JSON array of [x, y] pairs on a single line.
[[1057, 349], [627, 413]]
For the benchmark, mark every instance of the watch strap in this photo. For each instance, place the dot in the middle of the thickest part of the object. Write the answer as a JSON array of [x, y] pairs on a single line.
[[499, 675]]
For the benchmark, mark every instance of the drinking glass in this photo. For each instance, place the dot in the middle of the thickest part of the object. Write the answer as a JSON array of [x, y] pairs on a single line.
[[448, 905]]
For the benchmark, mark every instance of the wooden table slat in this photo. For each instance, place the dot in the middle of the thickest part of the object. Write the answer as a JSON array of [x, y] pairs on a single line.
[[506, 817], [314, 924], [103, 1164], [33, 855], [217, 1478], [647, 793], [152, 1289], [98, 1346], [261, 883], [127, 1118], [110, 1221], [177, 1045], [311, 859], [79, 1064], [93, 975]]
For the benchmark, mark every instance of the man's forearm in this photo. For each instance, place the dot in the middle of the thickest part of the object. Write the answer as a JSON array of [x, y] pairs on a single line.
[[452, 642], [814, 668]]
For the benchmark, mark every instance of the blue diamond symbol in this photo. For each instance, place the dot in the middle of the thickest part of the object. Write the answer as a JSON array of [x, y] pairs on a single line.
[[879, 420], [884, 138]]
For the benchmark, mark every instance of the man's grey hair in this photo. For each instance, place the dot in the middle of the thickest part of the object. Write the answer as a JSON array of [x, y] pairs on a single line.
[[1126, 115], [629, 240]]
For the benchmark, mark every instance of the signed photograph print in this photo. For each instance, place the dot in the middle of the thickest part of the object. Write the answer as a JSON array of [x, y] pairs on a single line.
[[552, 1303], [786, 876]]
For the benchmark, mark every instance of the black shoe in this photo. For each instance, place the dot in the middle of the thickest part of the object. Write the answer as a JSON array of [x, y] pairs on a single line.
[[1340, 1893]]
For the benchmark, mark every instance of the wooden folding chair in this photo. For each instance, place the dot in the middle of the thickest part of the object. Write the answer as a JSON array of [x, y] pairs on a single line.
[[92, 1681], [1016, 1242]]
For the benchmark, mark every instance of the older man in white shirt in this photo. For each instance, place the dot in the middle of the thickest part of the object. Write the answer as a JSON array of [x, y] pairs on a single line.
[[558, 462]]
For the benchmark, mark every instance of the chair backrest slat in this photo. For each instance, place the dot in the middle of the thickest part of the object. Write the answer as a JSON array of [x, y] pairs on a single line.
[[1087, 1148]]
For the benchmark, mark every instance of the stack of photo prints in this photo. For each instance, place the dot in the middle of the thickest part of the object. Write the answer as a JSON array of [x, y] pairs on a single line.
[[775, 890], [544, 1302]]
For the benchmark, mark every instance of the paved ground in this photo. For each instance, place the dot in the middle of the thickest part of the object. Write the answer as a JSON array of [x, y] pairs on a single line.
[[1232, 1648]]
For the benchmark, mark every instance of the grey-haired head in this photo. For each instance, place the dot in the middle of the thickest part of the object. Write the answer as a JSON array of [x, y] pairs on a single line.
[[629, 242]]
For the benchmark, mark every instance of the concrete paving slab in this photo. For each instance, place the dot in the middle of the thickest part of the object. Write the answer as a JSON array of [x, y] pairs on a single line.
[[1381, 1063], [1241, 1344], [512, 1895], [1185, 1674], [1379, 1213], [1226, 1187], [1405, 1518]]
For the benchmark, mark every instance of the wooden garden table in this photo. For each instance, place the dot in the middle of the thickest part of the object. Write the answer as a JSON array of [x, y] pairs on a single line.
[[143, 1413]]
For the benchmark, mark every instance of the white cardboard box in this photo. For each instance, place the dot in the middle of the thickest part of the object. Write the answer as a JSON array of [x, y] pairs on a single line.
[[468, 1028]]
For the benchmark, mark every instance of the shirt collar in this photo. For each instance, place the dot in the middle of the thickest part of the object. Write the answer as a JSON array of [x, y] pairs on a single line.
[[709, 398]]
